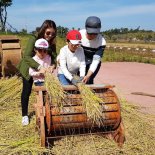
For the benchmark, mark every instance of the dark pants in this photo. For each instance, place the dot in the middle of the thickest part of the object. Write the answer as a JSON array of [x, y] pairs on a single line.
[[27, 87], [91, 80], [39, 83]]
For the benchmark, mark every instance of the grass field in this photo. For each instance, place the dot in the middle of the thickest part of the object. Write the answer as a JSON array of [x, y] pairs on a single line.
[[133, 45], [114, 55]]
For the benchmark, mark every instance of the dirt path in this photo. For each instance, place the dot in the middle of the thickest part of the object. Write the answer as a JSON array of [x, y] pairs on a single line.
[[128, 78]]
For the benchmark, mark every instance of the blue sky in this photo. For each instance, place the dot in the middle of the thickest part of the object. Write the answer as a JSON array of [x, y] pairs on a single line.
[[30, 14]]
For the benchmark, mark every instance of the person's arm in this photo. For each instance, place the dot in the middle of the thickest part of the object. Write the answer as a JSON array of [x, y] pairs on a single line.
[[33, 72], [99, 53], [82, 68], [97, 58], [49, 62], [28, 54], [87, 77], [63, 65]]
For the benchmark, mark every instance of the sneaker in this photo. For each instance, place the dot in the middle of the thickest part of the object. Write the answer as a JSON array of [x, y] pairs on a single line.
[[25, 120]]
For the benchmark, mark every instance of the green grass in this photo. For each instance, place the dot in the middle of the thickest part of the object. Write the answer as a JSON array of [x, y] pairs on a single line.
[[129, 56], [24, 40], [133, 45], [111, 55]]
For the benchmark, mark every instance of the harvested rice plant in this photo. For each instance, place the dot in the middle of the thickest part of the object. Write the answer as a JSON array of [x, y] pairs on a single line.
[[91, 103], [16, 139], [54, 89]]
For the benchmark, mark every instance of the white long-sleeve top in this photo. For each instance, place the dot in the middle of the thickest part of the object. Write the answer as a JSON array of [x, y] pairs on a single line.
[[93, 49], [71, 63], [45, 62]]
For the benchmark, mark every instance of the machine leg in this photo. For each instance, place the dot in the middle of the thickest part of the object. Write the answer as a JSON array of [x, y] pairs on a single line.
[[41, 118], [119, 135], [42, 131]]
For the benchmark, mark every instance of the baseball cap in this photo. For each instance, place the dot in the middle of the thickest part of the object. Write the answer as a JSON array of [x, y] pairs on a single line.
[[41, 44], [93, 24], [74, 36]]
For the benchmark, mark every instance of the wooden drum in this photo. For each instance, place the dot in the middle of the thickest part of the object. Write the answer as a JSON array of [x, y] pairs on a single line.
[[73, 114]]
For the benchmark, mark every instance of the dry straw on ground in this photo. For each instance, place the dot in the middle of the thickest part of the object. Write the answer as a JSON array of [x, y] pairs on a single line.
[[16, 139]]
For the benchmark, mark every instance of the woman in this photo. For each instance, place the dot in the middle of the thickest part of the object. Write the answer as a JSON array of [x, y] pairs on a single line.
[[71, 59], [47, 31]]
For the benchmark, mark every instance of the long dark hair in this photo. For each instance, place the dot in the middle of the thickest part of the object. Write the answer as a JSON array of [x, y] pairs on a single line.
[[47, 24]]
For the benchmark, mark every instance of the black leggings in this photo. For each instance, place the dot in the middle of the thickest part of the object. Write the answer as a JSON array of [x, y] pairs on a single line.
[[91, 80], [27, 87]]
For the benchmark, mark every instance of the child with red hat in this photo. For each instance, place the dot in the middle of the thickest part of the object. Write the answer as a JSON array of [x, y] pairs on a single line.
[[71, 59]]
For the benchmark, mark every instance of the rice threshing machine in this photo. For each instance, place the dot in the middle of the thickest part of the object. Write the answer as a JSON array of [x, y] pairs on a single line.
[[10, 54], [72, 118]]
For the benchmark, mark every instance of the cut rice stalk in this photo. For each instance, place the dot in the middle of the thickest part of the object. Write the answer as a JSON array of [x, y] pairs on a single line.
[[55, 89], [91, 103]]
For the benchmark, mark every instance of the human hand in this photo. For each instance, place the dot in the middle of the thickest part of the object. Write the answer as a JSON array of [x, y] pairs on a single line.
[[75, 81], [85, 79], [50, 69], [81, 78], [42, 70]]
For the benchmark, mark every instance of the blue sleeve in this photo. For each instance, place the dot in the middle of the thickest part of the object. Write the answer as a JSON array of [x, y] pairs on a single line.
[[100, 51]]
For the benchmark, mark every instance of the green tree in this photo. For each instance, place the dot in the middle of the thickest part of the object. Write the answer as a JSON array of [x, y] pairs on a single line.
[[3, 12], [61, 31], [23, 31]]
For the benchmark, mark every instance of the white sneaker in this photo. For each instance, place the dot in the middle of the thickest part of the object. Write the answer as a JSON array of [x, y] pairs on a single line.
[[25, 120]]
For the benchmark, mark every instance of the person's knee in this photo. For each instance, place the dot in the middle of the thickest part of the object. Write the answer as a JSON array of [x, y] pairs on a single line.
[[63, 79], [64, 82]]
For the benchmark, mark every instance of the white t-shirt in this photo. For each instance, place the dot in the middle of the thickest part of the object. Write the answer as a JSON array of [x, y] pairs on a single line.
[[71, 63], [93, 49]]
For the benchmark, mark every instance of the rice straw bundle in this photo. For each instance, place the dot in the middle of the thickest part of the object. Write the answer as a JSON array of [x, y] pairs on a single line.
[[55, 90], [91, 103]]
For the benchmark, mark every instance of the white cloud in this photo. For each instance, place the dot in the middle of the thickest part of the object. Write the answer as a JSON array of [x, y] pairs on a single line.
[[130, 10]]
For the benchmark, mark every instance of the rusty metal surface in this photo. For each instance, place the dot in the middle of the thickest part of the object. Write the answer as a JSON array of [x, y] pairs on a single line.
[[72, 87], [73, 112], [48, 114], [40, 114], [10, 54], [8, 37], [10, 59]]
